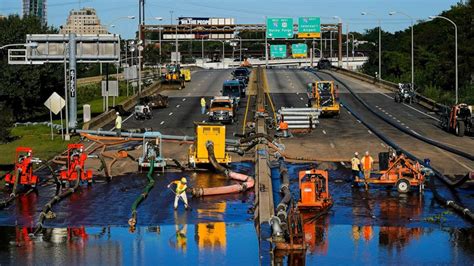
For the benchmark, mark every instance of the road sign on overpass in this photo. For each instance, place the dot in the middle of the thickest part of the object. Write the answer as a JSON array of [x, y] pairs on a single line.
[[299, 50], [279, 28], [309, 27], [278, 51]]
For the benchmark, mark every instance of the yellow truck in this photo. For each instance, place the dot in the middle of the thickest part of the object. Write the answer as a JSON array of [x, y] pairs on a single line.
[[323, 95]]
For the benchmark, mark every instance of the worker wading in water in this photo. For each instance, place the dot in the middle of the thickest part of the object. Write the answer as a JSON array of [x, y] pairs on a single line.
[[180, 192], [367, 163]]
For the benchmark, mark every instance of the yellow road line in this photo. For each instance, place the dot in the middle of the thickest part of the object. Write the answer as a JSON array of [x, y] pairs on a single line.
[[267, 92]]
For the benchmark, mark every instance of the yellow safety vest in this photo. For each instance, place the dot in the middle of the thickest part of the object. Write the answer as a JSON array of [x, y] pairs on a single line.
[[355, 164], [203, 102], [180, 187], [118, 122]]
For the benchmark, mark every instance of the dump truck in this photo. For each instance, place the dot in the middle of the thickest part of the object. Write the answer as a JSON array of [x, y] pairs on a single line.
[[459, 119], [322, 95], [222, 109]]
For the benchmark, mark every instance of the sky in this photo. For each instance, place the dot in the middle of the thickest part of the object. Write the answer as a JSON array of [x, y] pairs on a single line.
[[244, 11]]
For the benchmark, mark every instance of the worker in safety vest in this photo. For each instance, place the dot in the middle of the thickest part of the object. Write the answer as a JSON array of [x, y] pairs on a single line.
[[203, 105], [367, 163], [180, 192], [118, 124], [355, 163]]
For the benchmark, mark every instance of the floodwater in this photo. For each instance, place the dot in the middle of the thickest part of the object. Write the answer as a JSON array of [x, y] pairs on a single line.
[[379, 226]]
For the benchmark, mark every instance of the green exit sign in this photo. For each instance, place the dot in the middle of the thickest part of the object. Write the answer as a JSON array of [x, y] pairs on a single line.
[[278, 51], [309, 27], [279, 28]]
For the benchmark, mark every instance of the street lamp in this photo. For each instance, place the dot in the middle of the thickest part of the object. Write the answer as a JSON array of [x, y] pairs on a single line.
[[380, 41], [32, 45], [347, 49], [111, 24], [455, 49], [412, 44]]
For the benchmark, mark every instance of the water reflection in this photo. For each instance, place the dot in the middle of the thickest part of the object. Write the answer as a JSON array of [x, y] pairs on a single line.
[[211, 235]]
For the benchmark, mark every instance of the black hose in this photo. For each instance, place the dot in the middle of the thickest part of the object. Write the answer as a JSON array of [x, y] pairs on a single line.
[[151, 183], [256, 136], [213, 160], [57, 198], [455, 206], [406, 131]]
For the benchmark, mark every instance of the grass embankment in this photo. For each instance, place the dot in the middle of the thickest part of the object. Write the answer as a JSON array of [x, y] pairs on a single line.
[[36, 137]]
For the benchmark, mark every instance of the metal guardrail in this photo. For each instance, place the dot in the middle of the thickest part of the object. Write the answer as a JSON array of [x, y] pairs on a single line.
[[299, 118], [425, 101]]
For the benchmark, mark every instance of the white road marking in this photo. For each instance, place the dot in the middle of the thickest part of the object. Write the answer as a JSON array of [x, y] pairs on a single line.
[[177, 106], [383, 145], [411, 107], [162, 122], [324, 132], [358, 121], [171, 113], [332, 145], [301, 99], [184, 99], [370, 132]]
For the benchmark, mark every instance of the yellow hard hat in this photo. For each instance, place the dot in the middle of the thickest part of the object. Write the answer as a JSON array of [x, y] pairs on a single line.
[[183, 180]]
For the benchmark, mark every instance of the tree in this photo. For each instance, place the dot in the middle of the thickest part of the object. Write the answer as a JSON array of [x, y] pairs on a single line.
[[24, 88]]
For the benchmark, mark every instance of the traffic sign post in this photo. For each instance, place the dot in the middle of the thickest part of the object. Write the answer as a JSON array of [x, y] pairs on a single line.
[[309, 27], [278, 51], [299, 50], [279, 28]]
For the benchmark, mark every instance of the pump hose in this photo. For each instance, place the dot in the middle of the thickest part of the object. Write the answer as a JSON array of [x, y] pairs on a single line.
[[151, 183], [57, 198], [404, 130], [464, 212]]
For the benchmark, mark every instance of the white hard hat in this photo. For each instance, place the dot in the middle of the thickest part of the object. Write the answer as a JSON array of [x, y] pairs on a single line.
[[117, 113], [367, 153], [356, 153]]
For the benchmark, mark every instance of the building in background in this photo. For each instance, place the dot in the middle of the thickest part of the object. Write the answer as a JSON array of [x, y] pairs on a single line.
[[35, 8], [83, 21]]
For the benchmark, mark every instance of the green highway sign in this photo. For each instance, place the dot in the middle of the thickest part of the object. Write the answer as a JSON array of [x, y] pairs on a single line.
[[299, 50], [278, 51], [309, 27], [279, 28]]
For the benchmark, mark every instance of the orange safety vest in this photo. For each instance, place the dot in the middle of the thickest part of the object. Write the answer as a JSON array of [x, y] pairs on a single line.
[[367, 162]]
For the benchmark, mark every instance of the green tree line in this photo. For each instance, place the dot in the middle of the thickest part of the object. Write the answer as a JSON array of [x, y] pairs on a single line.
[[434, 53]]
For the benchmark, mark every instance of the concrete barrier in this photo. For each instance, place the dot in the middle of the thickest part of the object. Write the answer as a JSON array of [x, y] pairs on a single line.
[[109, 116], [426, 102]]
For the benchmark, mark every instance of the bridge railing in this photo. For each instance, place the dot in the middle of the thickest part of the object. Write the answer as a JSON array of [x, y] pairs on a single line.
[[423, 100]]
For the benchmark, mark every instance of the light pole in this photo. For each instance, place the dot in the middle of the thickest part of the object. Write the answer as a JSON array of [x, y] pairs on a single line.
[[171, 13], [339, 63], [455, 50], [380, 41], [353, 42], [412, 45], [176, 44], [330, 46]]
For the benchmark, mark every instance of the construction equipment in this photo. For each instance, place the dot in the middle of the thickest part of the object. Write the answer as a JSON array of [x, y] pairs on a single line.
[[155, 101], [397, 170], [222, 109], [314, 190], [206, 132], [76, 159], [173, 74], [459, 119], [142, 112], [322, 95], [23, 169], [152, 152], [405, 94]]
